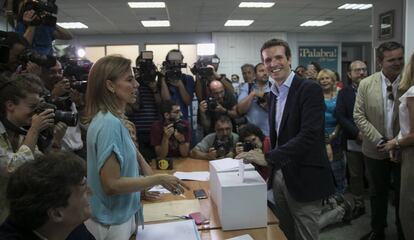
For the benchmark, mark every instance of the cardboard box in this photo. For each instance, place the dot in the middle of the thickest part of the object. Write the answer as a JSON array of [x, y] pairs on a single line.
[[223, 165], [242, 205]]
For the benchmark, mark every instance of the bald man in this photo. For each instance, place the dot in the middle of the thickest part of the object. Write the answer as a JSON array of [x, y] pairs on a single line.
[[219, 103], [351, 137]]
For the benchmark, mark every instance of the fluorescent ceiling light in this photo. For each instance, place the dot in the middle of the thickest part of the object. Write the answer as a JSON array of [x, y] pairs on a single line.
[[314, 23], [256, 4], [204, 49], [233, 23], [146, 4], [355, 6], [72, 25], [156, 23]]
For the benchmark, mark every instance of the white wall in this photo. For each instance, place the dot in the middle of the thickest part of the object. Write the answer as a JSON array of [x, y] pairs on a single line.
[[409, 30]]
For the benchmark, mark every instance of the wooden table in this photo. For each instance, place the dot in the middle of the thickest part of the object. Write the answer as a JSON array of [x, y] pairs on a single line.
[[209, 209]]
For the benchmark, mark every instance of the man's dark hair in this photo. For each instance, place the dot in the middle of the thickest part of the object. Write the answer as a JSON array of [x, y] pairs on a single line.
[[250, 129], [316, 65], [43, 184], [224, 119], [247, 65], [174, 50], [276, 42], [257, 65], [387, 46], [166, 106], [17, 87]]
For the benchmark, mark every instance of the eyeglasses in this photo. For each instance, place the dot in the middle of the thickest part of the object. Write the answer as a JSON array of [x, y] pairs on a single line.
[[359, 70], [389, 92]]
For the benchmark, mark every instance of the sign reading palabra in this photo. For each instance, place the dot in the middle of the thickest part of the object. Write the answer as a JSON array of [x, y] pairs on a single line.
[[326, 56]]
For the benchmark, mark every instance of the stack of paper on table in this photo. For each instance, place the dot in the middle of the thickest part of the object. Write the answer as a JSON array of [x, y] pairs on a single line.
[[196, 176], [242, 237], [156, 211], [177, 230]]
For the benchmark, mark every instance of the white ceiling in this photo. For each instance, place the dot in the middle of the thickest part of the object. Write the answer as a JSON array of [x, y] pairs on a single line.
[[115, 16]]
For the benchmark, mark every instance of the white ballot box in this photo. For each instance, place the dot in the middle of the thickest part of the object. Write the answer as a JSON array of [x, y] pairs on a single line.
[[240, 204], [223, 165]]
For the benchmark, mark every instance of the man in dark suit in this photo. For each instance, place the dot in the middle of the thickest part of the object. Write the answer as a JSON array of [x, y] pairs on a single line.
[[352, 137], [301, 175]]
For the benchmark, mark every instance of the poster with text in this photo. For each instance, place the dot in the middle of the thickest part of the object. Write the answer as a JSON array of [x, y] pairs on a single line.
[[326, 56]]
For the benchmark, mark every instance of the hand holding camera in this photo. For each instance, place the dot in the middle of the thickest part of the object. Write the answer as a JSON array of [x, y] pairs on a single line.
[[169, 130], [60, 88], [203, 106], [212, 154], [43, 120]]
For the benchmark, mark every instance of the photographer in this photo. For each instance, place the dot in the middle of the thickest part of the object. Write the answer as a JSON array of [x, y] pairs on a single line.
[[144, 112], [12, 46], [180, 85], [19, 99], [171, 136], [253, 99], [38, 26], [253, 139], [62, 95], [220, 144], [221, 102], [205, 70]]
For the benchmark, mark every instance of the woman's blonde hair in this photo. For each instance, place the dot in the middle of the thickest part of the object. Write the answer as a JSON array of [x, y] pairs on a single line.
[[98, 97], [328, 73], [407, 79]]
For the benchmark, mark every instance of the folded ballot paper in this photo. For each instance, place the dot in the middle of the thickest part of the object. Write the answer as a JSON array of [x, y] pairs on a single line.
[[178, 230], [242, 237]]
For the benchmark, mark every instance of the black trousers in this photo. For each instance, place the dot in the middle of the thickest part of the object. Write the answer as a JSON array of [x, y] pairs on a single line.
[[382, 174]]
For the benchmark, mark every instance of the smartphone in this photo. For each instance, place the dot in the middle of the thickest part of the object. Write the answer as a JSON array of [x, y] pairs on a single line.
[[200, 194]]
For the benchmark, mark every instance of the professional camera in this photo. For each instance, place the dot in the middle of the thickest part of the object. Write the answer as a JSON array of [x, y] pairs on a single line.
[[222, 147], [211, 103], [247, 146], [262, 100], [69, 118], [46, 61], [200, 67], [180, 126], [76, 70], [145, 70], [45, 10], [4, 48]]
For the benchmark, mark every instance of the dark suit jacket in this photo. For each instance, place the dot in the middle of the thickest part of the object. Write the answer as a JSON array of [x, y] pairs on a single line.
[[345, 113], [301, 151]]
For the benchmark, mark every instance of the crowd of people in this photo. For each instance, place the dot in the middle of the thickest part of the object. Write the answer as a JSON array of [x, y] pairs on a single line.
[[303, 130]]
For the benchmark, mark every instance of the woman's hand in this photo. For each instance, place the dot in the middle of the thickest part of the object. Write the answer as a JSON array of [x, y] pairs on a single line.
[[172, 183], [43, 120]]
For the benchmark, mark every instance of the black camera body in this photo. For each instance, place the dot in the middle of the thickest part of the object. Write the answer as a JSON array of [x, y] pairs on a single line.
[[211, 103], [180, 126], [76, 70], [200, 67], [45, 10], [222, 147], [69, 118], [173, 70], [46, 61], [262, 100], [247, 146], [145, 71]]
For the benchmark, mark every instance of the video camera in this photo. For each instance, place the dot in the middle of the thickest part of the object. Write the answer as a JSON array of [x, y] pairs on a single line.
[[173, 66], [46, 61], [45, 10], [69, 118], [262, 100], [222, 147], [145, 71], [200, 67]]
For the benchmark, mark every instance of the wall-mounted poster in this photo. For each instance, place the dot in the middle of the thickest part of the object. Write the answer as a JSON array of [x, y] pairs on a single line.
[[326, 56]]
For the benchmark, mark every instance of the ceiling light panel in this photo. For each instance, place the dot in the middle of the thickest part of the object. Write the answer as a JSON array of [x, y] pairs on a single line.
[[146, 4], [315, 23], [72, 25], [355, 6], [238, 23], [256, 4], [157, 23]]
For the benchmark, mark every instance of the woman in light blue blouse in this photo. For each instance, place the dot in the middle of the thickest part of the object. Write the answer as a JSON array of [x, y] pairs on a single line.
[[113, 161]]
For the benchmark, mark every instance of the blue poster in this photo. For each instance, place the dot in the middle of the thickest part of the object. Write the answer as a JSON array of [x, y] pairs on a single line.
[[327, 57]]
